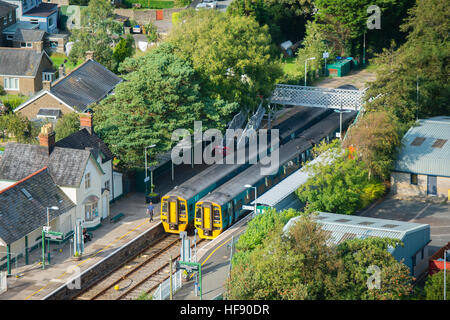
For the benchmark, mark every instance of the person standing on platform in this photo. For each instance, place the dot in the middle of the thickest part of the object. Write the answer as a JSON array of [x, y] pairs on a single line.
[[150, 209]]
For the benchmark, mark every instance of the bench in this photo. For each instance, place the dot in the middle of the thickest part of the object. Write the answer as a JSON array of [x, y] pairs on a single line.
[[117, 217]]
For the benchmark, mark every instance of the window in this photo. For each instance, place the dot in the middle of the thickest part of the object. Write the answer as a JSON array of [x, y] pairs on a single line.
[[414, 179], [5, 21], [11, 83], [10, 17], [107, 186], [26, 44], [91, 211], [87, 180], [51, 21], [48, 76], [9, 37]]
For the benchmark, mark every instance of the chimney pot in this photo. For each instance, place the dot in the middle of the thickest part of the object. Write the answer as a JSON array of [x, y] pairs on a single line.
[[61, 71], [46, 85], [90, 55], [47, 137], [86, 122]]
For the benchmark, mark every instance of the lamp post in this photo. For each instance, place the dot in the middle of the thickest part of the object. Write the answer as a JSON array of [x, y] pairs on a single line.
[[340, 111], [306, 62], [148, 147], [44, 230], [256, 196]]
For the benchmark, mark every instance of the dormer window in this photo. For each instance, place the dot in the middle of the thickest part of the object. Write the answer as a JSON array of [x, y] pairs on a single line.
[[26, 44], [48, 76]]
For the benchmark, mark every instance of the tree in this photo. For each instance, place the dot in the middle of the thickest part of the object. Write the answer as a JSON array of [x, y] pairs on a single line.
[[376, 138], [232, 55], [434, 286], [123, 50], [20, 127], [286, 19], [68, 124], [98, 27], [358, 256], [340, 186], [303, 263], [161, 93], [298, 266], [421, 62]]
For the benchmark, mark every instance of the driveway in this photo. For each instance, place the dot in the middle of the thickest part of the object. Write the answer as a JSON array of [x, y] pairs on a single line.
[[434, 214]]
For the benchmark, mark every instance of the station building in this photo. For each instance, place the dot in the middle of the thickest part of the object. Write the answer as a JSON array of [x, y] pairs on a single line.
[[415, 236], [422, 168]]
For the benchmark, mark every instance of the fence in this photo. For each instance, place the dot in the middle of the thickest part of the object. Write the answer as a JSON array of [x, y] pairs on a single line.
[[163, 291], [318, 97]]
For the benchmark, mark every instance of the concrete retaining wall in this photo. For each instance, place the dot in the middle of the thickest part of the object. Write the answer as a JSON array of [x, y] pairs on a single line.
[[110, 263]]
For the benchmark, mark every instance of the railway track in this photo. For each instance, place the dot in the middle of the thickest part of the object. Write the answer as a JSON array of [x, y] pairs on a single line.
[[143, 274]]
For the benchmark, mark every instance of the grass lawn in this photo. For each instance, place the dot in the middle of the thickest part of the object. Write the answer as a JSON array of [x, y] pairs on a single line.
[[289, 66], [59, 58]]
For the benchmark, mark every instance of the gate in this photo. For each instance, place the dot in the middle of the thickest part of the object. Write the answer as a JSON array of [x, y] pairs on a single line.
[[159, 14]]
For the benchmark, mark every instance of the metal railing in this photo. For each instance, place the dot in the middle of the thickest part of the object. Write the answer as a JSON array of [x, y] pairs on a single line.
[[163, 291]]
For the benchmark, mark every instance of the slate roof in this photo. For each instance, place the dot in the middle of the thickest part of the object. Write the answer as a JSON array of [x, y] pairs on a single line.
[[66, 166], [6, 8], [82, 140], [19, 62], [20, 215], [43, 10], [87, 84], [426, 148], [29, 35]]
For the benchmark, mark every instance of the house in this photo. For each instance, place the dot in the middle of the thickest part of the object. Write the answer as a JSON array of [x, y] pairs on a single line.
[[415, 236], [30, 39], [7, 18], [23, 71], [43, 15], [86, 139], [23, 213], [77, 172], [422, 167], [87, 84]]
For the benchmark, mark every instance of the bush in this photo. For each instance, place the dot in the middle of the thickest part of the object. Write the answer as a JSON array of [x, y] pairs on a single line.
[[434, 287], [372, 192], [2, 91]]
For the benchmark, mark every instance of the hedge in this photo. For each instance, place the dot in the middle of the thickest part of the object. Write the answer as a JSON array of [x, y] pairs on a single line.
[[150, 4]]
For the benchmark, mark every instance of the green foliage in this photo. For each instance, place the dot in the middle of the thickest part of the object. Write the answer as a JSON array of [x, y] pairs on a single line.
[[161, 93], [300, 264], [434, 286], [341, 186], [12, 101], [422, 60], [181, 3], [285, 19], [145, 296], [2, 91], [123, 49], [22, 129], [150, 4], [152, 32], [69, 123], [98, 26], [232, 55], [358, 255], [376, 138]]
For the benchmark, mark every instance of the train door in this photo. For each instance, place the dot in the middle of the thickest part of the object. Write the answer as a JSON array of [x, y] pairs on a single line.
[[172, 217], [207, 218]]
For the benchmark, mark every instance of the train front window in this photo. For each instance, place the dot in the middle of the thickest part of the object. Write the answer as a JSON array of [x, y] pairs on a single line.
[[182, 208], [216, 215], [198, 213], [164, 206]]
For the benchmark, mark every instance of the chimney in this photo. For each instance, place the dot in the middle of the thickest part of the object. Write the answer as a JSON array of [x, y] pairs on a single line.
[[47, 137], [38, 46], [61, 71], [46, 85], [86, 122], [90, 55]]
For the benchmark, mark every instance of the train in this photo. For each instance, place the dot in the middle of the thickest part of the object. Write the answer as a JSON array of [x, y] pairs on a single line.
[[221, 208], [177, 206]]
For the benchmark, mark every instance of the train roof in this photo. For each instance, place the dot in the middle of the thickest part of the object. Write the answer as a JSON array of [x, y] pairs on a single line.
[[235, 186], [215, 172], [307, 139]]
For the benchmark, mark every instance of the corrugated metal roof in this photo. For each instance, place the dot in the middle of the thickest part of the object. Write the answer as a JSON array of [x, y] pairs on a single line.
[[423, 158], [287, 186], [344, 227]]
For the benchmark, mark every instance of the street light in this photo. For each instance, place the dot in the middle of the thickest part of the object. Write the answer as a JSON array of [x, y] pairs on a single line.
[[340, 111], [44, 230], [256, 196], [146, 177], [306, 62]]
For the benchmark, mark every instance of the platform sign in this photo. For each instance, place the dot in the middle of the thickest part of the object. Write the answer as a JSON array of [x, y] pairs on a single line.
[[54, 235], [245, 207]]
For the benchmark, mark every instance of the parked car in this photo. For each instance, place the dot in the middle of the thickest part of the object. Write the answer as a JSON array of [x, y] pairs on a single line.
[[207, 4]]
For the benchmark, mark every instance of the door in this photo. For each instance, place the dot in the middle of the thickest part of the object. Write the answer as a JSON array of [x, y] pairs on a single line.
[[432, 185], [159, 14], [105, 207], [207, 223]]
